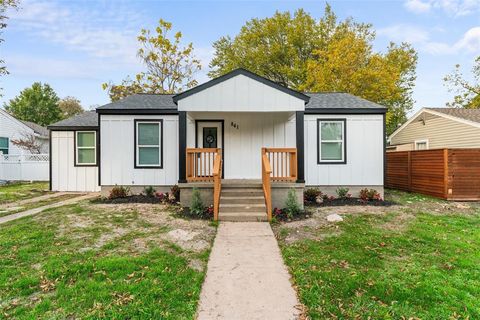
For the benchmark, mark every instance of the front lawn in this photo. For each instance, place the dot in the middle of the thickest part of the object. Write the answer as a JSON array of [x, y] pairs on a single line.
[[22, 190], [90, 261], [416, 260]]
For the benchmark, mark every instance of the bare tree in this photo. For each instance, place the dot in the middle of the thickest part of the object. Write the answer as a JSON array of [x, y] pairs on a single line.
[[28, 142]]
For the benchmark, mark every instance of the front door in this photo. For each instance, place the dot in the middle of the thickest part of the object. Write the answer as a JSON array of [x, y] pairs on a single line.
[[210, 135]]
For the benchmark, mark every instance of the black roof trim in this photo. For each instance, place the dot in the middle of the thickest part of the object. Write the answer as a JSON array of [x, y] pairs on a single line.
[[345, 111], [246, 73], [138, 111], [72, 128]]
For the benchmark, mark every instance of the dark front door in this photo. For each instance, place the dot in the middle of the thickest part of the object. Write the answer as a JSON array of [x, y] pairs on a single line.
[[210, 138]]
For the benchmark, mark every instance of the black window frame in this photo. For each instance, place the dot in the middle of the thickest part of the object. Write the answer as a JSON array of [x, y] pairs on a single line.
[[319, 121], [75, 160], [136, 121]]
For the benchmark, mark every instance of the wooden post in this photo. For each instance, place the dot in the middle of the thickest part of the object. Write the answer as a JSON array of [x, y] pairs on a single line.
[[409, 170], [445, 173]]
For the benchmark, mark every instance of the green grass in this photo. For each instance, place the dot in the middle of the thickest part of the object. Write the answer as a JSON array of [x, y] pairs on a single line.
[[22, 190], [50, 269], [429, 268]]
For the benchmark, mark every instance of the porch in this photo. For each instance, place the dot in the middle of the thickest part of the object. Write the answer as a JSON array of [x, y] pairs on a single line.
[[242, 199]]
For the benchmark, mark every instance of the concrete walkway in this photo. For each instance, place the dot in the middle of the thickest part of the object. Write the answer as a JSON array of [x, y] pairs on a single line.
[[31, 212], [30, 200], [246, 277]]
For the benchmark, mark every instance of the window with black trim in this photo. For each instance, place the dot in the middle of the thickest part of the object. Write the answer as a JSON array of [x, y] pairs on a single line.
[[86, 148], [331, 141], [4, 145], [148, 143]]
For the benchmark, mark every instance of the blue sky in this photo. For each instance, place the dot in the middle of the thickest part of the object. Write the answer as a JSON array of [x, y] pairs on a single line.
[[75, 46]]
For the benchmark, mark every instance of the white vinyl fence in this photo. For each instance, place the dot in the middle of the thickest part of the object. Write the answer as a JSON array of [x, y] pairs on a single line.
[[24, 167]]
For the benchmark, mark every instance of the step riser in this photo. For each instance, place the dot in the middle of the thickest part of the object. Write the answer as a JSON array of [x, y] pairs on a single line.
[[243, 209], [243, 219], [242, 193], [242, 201], [242, 186]]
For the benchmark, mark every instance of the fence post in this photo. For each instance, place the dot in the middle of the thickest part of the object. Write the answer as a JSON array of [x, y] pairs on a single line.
[[409, 168], [445, 173]]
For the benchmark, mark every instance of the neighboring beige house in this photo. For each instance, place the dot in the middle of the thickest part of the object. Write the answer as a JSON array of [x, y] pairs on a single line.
[[434, 128]]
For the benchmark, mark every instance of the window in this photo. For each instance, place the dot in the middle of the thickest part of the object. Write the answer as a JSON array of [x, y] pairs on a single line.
[[421, 144], [86, 149], [331, 137], [4, 145], [148, 148]]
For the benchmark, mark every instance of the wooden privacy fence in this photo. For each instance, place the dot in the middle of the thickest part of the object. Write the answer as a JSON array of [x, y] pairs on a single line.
[[452, 174]]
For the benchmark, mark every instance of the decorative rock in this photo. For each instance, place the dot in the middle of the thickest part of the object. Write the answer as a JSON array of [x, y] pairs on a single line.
[[334, 218]]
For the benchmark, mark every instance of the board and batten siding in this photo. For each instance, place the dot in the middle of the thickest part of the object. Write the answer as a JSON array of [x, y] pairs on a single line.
[[440, 132], [117, 152], [240, 94], [365, 153], [244, 136], [65, 175]]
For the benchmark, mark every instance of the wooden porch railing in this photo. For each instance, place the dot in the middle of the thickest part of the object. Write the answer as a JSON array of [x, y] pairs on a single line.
[[217, 184], [266, 183], [283, 162], [200, 164]]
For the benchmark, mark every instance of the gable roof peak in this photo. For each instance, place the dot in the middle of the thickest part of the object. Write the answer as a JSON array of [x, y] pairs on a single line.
[[244, 72]]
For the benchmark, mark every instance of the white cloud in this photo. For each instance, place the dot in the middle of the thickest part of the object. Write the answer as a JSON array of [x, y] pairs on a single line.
[[101, 32], [421, 39], [405, 32], [417, 6], [455, 8]]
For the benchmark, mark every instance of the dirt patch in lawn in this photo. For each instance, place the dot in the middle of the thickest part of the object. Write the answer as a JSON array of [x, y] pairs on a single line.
[[135, 228]]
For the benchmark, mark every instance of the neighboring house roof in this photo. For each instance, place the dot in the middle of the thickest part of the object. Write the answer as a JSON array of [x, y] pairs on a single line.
[[42, 132], [235, 73], [467, 116], [88, 119], [38, 129]]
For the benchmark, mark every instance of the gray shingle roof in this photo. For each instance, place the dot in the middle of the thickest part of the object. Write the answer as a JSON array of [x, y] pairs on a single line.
[[339, 100], [38, 129], [330, 100], [467, 114], [142, 101], [85, 119]]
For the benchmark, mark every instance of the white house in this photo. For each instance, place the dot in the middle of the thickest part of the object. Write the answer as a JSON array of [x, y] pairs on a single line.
[[14, 129], [239, 127]]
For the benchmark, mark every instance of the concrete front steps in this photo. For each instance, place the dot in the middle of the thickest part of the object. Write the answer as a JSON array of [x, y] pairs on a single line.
[[242, 202]]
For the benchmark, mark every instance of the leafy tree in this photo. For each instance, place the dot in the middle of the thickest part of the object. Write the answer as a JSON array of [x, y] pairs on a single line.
[[38, 104], [4, 5], [70, 106], [170, 68], [322, 55], [468, 94]]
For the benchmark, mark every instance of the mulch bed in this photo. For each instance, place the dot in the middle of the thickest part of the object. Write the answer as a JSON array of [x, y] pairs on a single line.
[[138, 198], [301, 216], [350, 202]]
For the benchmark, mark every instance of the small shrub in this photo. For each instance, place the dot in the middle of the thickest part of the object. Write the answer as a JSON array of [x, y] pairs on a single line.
[[163, 197], [369, 195], [119, 192], [292, 207], [312, 194], [196, 206], [175, 193], [342, 193], [149, 191]]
